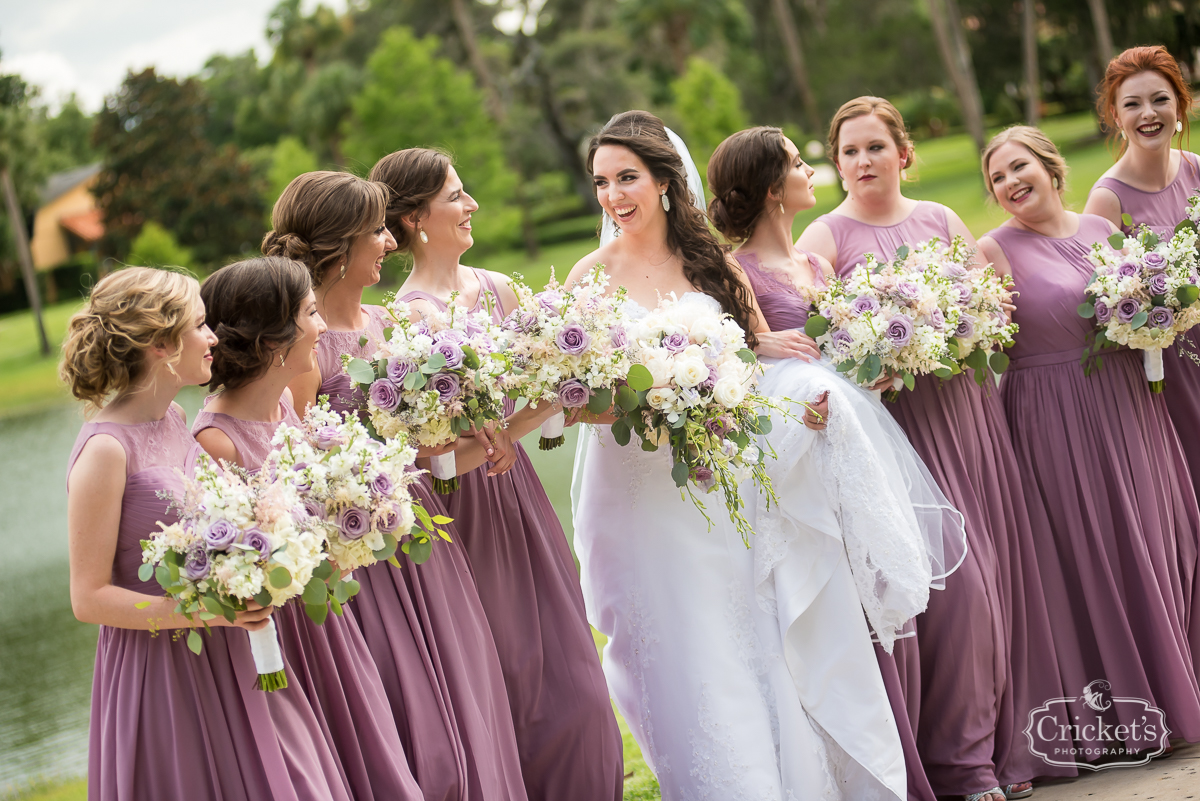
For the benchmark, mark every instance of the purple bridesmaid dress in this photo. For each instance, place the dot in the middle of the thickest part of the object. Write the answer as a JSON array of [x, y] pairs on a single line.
[[1102, 454], [1162, 211], [986, 651], [330, 663], [567, 734], [427, 631], [783, 308], [167, 723]]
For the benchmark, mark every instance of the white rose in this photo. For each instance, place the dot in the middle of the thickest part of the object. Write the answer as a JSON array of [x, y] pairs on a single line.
[[660, 367], [729, 392], [690, 371], [660, 397]]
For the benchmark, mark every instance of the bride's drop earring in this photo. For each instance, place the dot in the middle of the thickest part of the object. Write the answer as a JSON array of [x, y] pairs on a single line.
[[1178, 126], [423, 236], [665, 201]]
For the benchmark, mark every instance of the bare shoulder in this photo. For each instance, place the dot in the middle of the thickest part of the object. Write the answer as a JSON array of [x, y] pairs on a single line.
[[1103, 202], [179, 410], [994, 254], [600, 255], [419, 308], [818, 238], [218, 445], [102, 456]]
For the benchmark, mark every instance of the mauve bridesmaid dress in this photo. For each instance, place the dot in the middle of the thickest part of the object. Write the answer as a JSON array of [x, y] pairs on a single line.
[[427, 631], [783, 308], [167, 723], [1162, 211], [1101, 453], [330, 662], [986, 651], [566, 732]]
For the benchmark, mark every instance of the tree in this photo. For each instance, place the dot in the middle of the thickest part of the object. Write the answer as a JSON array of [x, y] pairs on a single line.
[[956, 56], [411, 97], [709, 107], [289, 158], [795, 53], [1103, 31], [1029, 45], [155, 247]]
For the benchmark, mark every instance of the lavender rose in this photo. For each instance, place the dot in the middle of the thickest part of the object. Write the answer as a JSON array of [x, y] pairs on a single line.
[[1155, 262], [315, 508], [1161, 317], [353, 522], [1127, 269], [1127, 309], [550, 301], [452, 352], [842, 340], [863, 304], [256, 539], [196, 565], [398, 370], [220, 535], [1157, 283], [449, 335], [964, 294], [966, 327], [384, 394], [703, 478], [711, 381], [1104, 312], [675, 343], [572, 340], [302, 483], [473, 328], [617, 336], [954, 270], [899, 331], [422, 328], [382, 485], [387, 518], [907, 291], [328, 437], [573, 393], [718, 427], [937, 320], [445, 385]]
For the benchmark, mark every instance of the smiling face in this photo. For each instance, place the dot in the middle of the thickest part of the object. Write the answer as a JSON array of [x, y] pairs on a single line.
[[1022, 184], [194, 365], [868, 158], [302, 355], [447, 221], [798, 191], [626, 189], [1147, 110], [367, 252]]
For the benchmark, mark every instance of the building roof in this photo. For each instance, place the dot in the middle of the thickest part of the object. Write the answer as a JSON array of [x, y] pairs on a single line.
[[88, 226], [62, 182]]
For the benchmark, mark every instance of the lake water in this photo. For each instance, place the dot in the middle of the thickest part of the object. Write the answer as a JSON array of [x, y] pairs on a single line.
[[46, 655]]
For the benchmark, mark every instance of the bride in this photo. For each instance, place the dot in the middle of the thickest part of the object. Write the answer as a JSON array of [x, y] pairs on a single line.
[[734, 687]]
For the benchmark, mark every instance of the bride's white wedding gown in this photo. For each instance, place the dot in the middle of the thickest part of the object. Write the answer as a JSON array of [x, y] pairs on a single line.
[[737, 683]]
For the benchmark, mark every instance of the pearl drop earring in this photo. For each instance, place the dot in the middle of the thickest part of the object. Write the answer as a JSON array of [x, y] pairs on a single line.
[[1178, 126], [424, 236]]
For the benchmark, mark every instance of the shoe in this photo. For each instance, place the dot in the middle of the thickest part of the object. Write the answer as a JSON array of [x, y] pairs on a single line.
[[1019, 790], [982, 796]]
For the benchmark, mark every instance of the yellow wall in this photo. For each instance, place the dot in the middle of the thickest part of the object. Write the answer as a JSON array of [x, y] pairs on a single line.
[[50, 246]]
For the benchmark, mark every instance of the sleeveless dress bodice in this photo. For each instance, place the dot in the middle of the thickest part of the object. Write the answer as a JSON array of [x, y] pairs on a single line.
[[335, 383], [856, 239], [1161, 210], [782, 304], [252, 438]]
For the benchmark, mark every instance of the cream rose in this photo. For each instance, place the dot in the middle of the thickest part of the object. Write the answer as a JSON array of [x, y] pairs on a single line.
[[729, 392], [690, 371], [660, 397]]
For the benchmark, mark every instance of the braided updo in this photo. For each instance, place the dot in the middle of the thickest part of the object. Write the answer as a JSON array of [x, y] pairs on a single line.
[[127, 312], [252, 307], [742, 171]]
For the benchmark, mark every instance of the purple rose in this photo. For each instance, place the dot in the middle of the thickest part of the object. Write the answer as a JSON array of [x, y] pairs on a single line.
[[382, 485], [256, 539], [1103, 312], [220, 535], [899, 331], [1157, 284], [473, 328], [617, 336], [353, 522], [966, 327], [1127, 269], [520, 321], [196, 565], [398, 370], [842, 340], [573, 393], [384, 394], [328, 437], [1161, 317], [711, 381], [302, 483], [449, 335], [964, 294], [300, 514], [937, 320], [452, 352], [1155, 262], [1127, 309], [863, 304], [445, 385], [907, 291], [315, 508], [551, 301], [387, 519], [718, 427], [421, 328], [675, 343], [703, 477], [572, 340], [953, 270]]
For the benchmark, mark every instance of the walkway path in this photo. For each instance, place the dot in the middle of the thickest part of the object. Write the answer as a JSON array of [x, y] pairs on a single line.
[[1175, 778]]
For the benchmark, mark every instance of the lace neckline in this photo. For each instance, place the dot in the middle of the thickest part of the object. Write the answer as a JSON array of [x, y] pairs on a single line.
[[644, 311]]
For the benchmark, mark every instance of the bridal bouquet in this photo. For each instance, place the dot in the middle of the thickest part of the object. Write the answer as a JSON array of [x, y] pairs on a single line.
[[434, 380], [1144, 297], [239, 537], [356, 489], [691, 389], [570, 347]]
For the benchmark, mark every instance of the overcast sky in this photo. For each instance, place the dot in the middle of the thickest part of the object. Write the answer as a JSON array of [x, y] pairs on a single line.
[[87, 46]]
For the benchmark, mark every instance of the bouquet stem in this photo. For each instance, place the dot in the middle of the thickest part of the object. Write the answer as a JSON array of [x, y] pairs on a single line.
[[445, 475], [552, 432], [1152, 361], [268, 659]]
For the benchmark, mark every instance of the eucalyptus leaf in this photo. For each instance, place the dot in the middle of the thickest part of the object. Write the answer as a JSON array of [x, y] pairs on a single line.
[[146, 572], [639, 378], [627, 399], [909, 380], [1139, 320], [414, 381], [194, 643], [389, 548], [1188, 294], [1127, 220], [747, 355], [620, 431], [315, 591], [436, 361], [816, 326], [902, 253], [361, 371], [419, 550], [317, 612], [679, 472], [263, 598], [1117, 241], [601, 401], [998, 362], [280, 577], [1087, 309], [387, 332], [323, 570]]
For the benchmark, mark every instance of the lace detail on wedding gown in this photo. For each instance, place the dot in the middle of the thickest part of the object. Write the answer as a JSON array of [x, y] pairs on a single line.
[[718, 774], [637, 663]]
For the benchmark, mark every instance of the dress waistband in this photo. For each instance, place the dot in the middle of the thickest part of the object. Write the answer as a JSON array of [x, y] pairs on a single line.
[[1061, 357]]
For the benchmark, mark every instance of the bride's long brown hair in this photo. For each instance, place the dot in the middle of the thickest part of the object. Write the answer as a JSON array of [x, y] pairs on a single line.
[[705, 264]]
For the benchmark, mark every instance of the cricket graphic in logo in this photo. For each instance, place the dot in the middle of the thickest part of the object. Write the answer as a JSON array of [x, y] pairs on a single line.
[[1098, 695]]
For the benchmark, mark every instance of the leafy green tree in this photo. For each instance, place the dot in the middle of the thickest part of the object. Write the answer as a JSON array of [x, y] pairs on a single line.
[[709, 107], [67, 137], [156, 247], [289, 158], [412, 97]]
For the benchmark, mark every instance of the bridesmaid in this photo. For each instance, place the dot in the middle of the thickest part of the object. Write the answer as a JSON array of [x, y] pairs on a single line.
[[566, 732], [265, 317], [424, 625], [973, 698], [1100, 450], [165, 723], [759, 183]]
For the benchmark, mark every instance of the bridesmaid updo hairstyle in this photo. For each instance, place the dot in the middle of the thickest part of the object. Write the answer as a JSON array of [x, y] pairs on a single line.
[[705, 263], [252, 307], [742, 171], [1135, 61], [127, 312], [413, 178], [887, 114], [1038, 144], [318, 217]]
